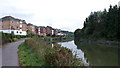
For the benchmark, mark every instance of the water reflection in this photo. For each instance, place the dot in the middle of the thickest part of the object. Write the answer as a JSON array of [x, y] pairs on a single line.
[[78, 52], [99, 55], [93, 55]]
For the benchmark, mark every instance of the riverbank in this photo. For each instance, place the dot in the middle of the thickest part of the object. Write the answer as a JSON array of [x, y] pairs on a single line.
[[35, 52], [101, 42], [55, 39]]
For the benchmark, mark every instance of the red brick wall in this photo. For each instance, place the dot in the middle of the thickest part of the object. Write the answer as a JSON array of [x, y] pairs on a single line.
[[24, 27], [15, 25], [6, 25], [49, 30]]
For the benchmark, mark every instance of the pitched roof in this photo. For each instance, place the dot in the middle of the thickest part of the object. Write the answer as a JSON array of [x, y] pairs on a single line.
[[29, 24], [10, 18]]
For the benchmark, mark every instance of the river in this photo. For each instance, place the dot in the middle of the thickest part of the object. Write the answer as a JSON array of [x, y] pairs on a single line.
[[92, 54]]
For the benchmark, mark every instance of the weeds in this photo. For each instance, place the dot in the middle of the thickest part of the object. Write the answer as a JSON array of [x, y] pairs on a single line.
[[38, 53]]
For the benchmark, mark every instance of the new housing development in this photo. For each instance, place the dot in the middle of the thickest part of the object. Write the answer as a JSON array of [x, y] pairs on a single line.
[[9, 24]]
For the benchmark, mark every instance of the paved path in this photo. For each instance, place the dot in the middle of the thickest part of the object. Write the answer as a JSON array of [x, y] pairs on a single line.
[[9, 54]]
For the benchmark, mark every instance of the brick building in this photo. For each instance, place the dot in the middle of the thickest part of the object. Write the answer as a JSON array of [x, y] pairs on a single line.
[[31, 28], [56, 31], [49, 30], [0, 24], [41, 30], [13, 25], [9, 24]]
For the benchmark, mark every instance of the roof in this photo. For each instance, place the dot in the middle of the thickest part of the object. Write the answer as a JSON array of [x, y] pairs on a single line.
[[49, 27], [13, 19], [42, 26], [10, 18], [24, 22], [29, 24]]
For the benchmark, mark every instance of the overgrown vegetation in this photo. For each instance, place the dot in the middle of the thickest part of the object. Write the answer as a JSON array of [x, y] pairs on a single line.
[[27, 57], [46, 54], [6, 37], [101, 25]]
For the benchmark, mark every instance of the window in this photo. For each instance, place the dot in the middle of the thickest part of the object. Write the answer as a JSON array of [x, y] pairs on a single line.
[[12, 32], [2, 27], [17, 27], [20, 32], [12, 28], [17, 31]]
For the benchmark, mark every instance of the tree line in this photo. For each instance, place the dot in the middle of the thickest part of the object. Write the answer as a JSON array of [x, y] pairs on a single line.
[[101, 25]]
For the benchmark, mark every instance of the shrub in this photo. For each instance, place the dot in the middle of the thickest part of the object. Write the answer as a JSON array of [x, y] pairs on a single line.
[[18, 36], [52, 56], [61, 56], [14, 39]]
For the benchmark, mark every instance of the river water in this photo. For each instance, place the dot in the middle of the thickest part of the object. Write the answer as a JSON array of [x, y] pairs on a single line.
[[92, 54]]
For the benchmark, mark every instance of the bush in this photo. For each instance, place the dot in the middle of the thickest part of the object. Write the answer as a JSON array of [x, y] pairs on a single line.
[[4, 41], [48, 55], [18, 36], [14, 39], [61, 56]]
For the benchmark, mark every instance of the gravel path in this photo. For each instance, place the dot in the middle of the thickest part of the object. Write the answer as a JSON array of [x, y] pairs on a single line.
[[9, 54]]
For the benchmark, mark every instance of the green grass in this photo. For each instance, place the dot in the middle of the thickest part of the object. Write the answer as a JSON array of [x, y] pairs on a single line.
[[27, 57]]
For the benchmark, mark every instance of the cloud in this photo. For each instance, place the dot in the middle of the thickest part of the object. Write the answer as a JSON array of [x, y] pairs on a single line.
[[63, 14]]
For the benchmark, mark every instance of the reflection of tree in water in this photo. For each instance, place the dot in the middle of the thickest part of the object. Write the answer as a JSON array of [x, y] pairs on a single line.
[[98, 55]]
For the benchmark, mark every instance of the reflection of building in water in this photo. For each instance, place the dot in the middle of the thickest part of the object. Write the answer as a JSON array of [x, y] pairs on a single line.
[[81, 54], [78, 52]]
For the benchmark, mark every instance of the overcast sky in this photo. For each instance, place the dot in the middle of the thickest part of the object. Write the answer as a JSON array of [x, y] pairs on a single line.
[[63, 14]]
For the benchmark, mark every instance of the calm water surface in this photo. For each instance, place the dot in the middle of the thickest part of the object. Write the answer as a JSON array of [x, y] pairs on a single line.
[[93, 55]]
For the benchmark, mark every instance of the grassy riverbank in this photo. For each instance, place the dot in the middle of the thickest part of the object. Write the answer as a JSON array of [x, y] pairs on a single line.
[[36, 52], [56, 39]]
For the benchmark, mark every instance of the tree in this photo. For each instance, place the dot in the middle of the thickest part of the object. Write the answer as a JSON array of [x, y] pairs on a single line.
[[101, 24]]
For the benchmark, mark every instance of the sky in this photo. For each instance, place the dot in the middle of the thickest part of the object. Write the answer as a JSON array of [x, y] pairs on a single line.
[[62, 14]]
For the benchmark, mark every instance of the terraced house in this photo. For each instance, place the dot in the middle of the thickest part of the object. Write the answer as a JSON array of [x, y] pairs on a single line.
[[31, 28], [9, 24], [41, 30], [49, 30], [13, 25]]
